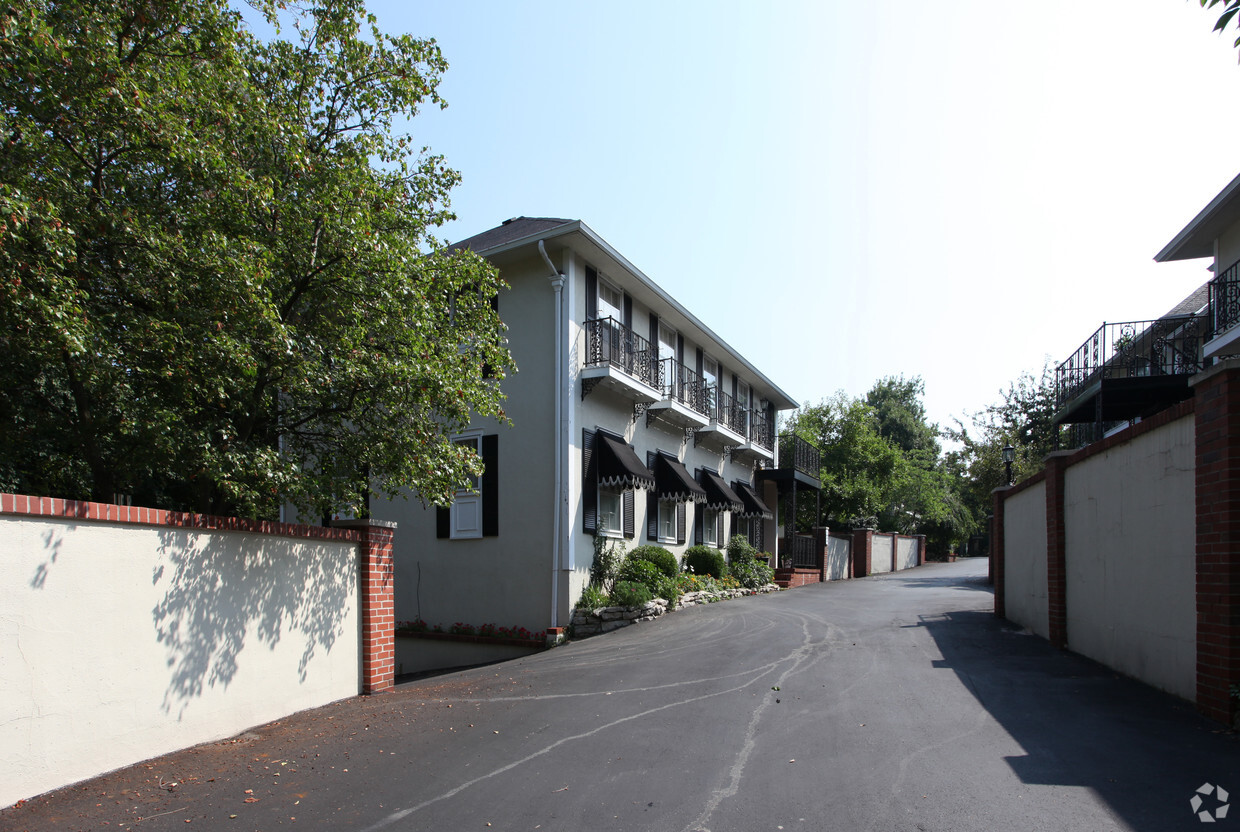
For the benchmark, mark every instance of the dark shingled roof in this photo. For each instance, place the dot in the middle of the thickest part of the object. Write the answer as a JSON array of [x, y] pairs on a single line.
[[509, 230], [1192, 304]]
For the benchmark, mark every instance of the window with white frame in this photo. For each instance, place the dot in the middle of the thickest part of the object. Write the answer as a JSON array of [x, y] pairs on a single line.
[[610, 301], [710, 526], [668, 532], [610, 511], [710, 379], [467, 503]]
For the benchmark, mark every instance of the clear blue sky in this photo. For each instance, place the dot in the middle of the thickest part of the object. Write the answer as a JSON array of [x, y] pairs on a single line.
[[849, 189]]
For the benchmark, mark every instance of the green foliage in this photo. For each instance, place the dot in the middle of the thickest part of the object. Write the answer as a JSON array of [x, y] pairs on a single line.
[[1024, 419], [641, 571], [739, 548], [660, 557], [705, 560], [631, 594], [859, 468], [751, 573], [219, 284], [1230, 9], [592, 597], [900, 415], [608, 555]]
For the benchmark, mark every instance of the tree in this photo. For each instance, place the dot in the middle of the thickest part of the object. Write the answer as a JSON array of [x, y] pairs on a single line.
[[1230, 9], [219, 284], [1024, 419], [901, 416], [859, 468]]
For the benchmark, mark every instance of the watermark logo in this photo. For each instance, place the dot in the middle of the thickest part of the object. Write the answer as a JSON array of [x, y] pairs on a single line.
[[1219, 802]]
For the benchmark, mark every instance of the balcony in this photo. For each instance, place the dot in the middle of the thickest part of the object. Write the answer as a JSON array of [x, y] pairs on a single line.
[[682, 399], [1224, 311], [798, 464], [728, 422], [1130, 370], [758, 443], [620, 360]]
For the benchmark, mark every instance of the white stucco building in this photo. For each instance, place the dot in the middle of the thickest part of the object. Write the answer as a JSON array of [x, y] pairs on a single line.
[[631, 419]]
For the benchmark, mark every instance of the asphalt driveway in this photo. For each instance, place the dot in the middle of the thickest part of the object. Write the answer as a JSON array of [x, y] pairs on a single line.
[[889, 703]]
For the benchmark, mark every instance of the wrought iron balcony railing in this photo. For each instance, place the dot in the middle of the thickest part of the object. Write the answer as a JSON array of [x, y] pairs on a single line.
[[795, 452], [727, 412], [609, 342], [1168, 346], [760, 432], [678, 383], [1224, 306]]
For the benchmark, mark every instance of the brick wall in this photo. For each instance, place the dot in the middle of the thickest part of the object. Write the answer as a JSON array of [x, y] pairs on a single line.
[[1218, 541]]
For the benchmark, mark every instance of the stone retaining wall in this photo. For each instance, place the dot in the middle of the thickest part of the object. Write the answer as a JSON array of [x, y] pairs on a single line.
[[591, 622]]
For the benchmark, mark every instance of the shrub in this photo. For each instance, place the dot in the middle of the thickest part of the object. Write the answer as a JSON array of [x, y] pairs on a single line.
[[592, 597], [608, 555], [649, 575], [630, 594], [660, 557], [751, 573], [640, 571], [739, 548], [705, 560]]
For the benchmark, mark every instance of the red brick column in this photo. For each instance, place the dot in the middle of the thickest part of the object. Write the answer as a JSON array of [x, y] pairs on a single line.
[[998, 499], [378, 609], [862, 550], [921, 549], [1056, 549], [1217, 416]]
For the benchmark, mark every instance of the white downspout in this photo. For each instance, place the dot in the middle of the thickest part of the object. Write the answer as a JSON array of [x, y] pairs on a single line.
[[557, 551]]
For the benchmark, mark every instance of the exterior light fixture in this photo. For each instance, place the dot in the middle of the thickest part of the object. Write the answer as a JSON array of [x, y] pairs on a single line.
[[1009, 456]]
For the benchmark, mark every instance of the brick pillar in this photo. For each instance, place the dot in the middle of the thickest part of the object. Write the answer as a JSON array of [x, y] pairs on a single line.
[[998, 498], [1217, 417], [1056, 549], [862, 549], [378, 609], [820, 546], [921, 549]]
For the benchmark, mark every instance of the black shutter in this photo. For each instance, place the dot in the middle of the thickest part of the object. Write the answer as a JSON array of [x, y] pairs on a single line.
[[697, 524], [591, 294], [627, 513], [733, 525], [589, 483], [699, 362], [443, 522], [652, 498], [628, 311], [654, 334], [680, 522], [680, 348], [734, 401], [490, 485]]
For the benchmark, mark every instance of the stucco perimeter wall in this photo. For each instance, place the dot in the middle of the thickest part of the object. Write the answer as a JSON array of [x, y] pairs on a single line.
[[906, 552], [880, 554], [1024, 533], [122, 642], [1130, 532], [839, 555]]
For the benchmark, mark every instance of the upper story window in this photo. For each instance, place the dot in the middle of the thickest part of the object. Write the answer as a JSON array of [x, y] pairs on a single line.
[[610, 300], [710, 381], [667, 341]]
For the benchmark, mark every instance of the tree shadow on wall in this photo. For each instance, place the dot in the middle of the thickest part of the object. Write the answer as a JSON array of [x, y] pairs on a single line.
[[224, 590]]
